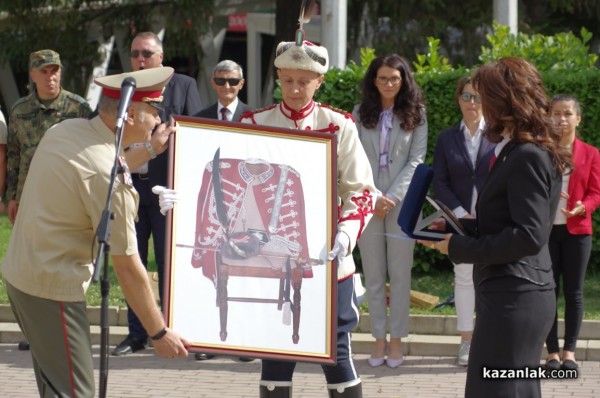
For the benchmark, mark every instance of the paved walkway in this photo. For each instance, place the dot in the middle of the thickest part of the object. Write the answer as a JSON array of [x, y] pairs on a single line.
[[144, 375]]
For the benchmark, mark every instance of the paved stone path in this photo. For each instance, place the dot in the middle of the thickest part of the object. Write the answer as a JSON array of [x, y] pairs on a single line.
[[144, 375]]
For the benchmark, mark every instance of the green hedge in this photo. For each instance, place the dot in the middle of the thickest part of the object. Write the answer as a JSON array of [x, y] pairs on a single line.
[[342, 89]]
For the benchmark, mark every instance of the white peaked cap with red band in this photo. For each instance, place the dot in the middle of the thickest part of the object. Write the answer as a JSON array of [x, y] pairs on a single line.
[[150, 84]]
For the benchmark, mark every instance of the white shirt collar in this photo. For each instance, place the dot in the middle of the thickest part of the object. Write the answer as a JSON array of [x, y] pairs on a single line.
[[232, 107]]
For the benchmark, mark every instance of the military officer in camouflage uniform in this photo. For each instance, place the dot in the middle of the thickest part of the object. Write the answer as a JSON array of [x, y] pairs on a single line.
[[32, 115]]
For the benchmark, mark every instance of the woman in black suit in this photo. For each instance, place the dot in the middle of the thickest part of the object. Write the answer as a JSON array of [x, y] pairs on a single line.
[[508, 242]]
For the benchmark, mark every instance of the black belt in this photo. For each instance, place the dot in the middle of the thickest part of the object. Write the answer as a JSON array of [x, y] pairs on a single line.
[[140, 176]]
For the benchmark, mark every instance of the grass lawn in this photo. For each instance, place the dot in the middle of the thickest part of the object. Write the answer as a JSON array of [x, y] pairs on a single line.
[[437, 283]]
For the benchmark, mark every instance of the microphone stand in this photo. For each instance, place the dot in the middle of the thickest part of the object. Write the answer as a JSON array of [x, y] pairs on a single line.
[[102, 236]]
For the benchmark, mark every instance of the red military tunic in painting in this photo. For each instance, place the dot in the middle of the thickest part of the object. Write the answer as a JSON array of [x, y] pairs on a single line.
[[265, 207], [355, 179]]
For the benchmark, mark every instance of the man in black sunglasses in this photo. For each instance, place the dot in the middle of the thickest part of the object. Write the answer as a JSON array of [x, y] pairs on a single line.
[[227, 81], [180, 97]]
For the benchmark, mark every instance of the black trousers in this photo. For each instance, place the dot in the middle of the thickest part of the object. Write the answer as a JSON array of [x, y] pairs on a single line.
[[150, 222], [570, 255], [509, 333]]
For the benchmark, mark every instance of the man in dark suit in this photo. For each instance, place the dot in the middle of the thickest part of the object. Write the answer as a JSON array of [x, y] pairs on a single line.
[[227, 81], [180, 97]]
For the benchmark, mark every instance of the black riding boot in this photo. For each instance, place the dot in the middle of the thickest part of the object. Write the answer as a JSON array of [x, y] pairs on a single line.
[[270, 390], [346, 392]]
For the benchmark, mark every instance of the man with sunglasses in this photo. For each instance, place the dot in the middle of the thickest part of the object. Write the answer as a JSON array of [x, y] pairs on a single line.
[[227, 81], [180, 97]]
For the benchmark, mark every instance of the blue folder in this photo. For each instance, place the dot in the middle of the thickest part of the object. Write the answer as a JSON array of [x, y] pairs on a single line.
[[410, 218]]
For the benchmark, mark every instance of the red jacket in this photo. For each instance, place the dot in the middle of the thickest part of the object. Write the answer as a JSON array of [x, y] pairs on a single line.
[[250, 201], [584, 185]]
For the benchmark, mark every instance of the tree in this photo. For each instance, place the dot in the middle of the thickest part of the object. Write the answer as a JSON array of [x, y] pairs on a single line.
[[68, 26], [402, 26]]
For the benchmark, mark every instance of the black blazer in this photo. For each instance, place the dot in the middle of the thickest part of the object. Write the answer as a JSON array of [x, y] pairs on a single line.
[[515, 212], [453, 173], [180, 97], [212, 111]]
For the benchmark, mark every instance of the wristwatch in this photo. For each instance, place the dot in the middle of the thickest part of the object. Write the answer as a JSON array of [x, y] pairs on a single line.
[[151, 150]]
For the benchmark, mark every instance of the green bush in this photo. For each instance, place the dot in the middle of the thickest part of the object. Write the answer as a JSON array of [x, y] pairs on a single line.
[[563, 60], [341, 87], [563, 51]]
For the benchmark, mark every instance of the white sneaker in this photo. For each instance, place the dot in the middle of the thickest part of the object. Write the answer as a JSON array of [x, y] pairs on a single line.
[[463, 353]]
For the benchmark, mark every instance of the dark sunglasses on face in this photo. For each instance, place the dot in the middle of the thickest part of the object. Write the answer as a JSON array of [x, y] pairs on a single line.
[[467, 97], [145, 53], [220, 81]]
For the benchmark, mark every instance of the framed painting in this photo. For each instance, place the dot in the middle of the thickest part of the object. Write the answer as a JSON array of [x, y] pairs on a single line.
[[247, 271]]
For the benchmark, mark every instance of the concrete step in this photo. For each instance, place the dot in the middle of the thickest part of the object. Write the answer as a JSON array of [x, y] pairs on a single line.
[[430, 335], [362, 343], [444, 325]]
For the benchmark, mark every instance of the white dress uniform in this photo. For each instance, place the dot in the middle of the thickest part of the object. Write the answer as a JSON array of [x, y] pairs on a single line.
[[356, 191], [355, 179]]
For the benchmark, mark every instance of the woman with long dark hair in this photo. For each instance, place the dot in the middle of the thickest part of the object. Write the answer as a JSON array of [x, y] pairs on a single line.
[[392, 127], [508, 241]]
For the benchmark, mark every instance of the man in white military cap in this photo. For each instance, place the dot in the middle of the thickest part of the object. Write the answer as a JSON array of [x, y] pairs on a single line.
[[300, 68], [48, 265]]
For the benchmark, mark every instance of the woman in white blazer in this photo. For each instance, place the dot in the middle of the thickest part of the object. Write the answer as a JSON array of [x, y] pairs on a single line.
[[392, 127]]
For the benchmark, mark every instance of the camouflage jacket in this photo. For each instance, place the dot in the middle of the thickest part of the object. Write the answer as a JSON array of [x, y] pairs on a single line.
[[29, 120]]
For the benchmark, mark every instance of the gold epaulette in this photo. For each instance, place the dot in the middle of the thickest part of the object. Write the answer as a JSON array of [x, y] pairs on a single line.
[[338, 110], [266, 108]]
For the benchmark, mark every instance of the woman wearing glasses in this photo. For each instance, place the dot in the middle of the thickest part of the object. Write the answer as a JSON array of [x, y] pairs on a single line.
[[392, 126], [461, 164]]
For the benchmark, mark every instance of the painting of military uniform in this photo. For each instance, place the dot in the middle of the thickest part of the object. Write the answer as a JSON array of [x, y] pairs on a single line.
[[249, 240], [251, 214]]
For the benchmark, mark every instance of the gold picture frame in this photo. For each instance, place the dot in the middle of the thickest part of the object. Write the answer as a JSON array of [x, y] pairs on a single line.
[[246, 268]]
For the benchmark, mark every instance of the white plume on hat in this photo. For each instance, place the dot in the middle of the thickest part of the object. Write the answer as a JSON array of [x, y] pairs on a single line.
[[302, 54], [308, 56]]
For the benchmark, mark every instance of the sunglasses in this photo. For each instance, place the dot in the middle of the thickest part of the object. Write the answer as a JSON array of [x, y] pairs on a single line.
[[467, 97], [145, 53], [220, 81]]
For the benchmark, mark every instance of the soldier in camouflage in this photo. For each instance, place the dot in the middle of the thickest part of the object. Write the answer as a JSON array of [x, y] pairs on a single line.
[[32, 115]]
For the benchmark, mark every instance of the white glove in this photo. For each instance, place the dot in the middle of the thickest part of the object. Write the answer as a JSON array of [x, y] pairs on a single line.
[[166, 198], [340, 247]]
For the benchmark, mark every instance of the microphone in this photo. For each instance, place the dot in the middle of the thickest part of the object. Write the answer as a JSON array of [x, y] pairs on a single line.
[[127, 90]]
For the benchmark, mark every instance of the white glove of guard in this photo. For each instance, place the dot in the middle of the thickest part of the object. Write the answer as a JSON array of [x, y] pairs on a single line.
[[166, 198], [340, 247]]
